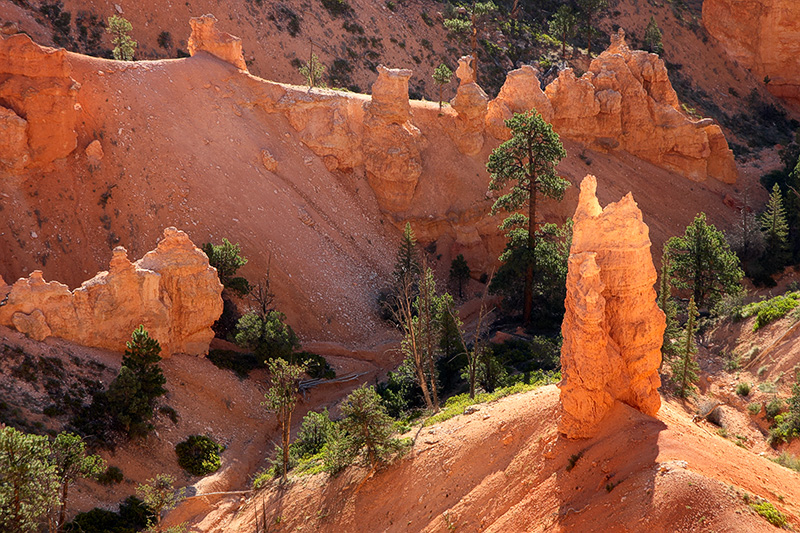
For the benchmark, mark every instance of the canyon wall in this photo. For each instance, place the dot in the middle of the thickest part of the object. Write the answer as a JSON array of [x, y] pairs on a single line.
[[612, 327], [763, 36], [172, 291]]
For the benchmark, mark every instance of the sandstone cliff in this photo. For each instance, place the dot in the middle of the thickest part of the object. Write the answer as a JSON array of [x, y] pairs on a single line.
[[763, 36], [612, 328], [38, 104], [172, 290]]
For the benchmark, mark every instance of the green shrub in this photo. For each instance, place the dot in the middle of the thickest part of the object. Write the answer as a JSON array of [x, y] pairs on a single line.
[[199, 455], [770, 513], [262, 477], [239, 363], [227, 259], [112, 476], [773, 408], [754, 408], [133, 516], [743, 389], [770, 310], [313, 434], [337, 7]]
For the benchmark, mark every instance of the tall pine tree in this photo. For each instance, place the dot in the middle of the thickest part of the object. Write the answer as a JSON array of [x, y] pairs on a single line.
[[685, 369], [775, 228]]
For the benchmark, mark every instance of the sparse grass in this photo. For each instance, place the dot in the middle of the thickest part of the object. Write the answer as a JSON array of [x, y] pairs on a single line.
[[773, 408], [789, 461], [455, 405], [768, 387], [743, 389], [573, 460], [754, 408]]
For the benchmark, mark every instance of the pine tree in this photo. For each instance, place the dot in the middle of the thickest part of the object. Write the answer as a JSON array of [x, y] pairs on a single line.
[[124, 46], [367, 425], [477, 16], [159, 495], [441, 77], [68, 456], [685, 369], [591, 9], [652, 37], [406, 267], [459, 273], [312, 71], [527, 162], [701, 260], [667, 304], [775, 228], [563, 25], [281, 397]]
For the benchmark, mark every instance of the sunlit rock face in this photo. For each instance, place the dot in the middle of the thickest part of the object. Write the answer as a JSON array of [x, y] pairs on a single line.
[[612, 327], [172, 291]]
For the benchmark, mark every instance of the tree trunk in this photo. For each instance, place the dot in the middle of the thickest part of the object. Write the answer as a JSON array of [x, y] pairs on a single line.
[[62, 515], [440, 97], [475, 43], [564, 45], [529, 272], [287, 417]]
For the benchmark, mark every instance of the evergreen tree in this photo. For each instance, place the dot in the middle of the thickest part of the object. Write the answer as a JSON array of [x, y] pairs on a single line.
[[406, 267], [227, 259], [124, 46], [667, 304], [527, 163], [159, 495], [441, 77], [563, 25], [748, 242], [775, 229], [701, 260], [368, 426], [132, 395], [28, 481], [269, 337], [459, 273], [71, 461], [476, 16], [685, 369], [652, 37], [591, 10], [281, 397]]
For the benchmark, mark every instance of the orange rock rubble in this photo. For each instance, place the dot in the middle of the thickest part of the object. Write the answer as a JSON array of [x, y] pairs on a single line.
[[612, 328], [172, 290]]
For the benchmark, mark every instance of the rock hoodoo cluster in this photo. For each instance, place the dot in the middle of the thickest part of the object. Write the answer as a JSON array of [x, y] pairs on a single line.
[[625, 101], [38, 104], [206, 37], [172, 290], [763, 36], [612, 327]]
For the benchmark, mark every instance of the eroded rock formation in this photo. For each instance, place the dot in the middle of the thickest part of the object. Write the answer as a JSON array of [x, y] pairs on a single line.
[[206, 37], [172, 290], [625, 101], [612, 327], [763, 36], [390, 141], [471, 104], [520, 93], [38, 104]]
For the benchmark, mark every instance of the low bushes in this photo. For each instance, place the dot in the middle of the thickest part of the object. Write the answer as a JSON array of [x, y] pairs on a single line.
[[199, 455]]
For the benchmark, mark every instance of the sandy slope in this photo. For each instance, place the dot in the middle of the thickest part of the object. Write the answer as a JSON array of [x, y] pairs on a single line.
[[504, 468]]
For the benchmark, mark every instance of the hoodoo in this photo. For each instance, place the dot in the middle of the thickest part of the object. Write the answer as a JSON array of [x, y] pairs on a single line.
[[612, 328]]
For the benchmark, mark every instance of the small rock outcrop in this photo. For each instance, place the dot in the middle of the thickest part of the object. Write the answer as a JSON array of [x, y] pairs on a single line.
[[612, 327], [763, 36], [625, 101], [172, 290], [206, 37], [471, 104], [39, 104], [390, 142], [521, 92]]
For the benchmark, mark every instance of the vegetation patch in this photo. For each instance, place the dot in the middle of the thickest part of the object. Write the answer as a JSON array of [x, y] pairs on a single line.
[[769, 513], [199, 455], [768, 311], [455, 405]]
